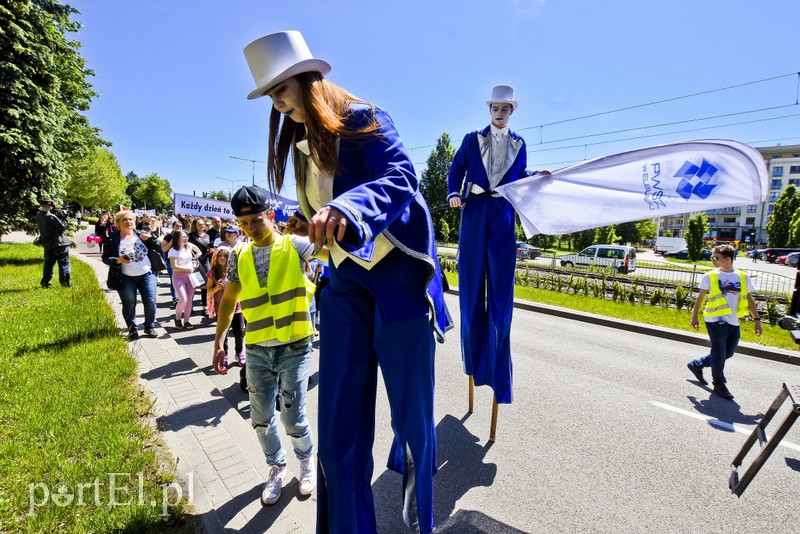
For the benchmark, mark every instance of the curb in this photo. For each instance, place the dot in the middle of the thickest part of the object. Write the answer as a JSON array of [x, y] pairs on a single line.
[[746, 348]]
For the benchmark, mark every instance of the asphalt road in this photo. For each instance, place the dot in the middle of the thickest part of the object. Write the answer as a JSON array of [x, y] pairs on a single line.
[[608, 432]]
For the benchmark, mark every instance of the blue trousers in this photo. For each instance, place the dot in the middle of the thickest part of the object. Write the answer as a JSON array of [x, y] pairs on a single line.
[[374, 319], [146, 286], [486, 266], [724, 341], [265, 366]]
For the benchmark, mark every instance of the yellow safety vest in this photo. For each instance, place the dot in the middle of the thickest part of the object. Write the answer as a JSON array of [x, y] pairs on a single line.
[[717, 305], [279, 311]]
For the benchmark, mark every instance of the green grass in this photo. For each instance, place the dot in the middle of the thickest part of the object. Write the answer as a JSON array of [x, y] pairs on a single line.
[[71, 411], [773, 336]]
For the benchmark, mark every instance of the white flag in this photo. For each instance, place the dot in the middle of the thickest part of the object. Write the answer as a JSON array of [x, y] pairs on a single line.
[[640, 184]]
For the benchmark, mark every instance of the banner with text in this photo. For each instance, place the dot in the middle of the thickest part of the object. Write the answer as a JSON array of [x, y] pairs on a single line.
[[205, 207], [202, 207], [640, 184]]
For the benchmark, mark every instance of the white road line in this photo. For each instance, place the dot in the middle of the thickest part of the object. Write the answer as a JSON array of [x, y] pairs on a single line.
[[730, 427]]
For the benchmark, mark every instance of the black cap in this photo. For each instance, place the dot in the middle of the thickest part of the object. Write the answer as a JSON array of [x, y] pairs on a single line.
[[249, 199], [47, 202]]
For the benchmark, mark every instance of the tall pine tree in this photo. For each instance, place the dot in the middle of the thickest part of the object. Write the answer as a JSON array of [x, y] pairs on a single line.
[[43, 92], [433, 186]]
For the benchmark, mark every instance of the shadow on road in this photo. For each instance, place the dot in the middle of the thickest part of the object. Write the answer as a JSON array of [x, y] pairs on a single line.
[[462, 467]]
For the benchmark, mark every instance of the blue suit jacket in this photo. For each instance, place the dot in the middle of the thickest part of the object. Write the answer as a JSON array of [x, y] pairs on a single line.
[[473, 159], [378, 192]]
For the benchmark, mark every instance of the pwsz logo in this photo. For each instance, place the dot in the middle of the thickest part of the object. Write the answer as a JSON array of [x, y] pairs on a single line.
[[695, 180]]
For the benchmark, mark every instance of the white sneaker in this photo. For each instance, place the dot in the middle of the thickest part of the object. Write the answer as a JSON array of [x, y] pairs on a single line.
[[274, 485], [308, 475]]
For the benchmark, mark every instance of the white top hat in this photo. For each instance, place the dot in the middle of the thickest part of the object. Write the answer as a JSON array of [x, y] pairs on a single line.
[[503, 94], [277, 57]]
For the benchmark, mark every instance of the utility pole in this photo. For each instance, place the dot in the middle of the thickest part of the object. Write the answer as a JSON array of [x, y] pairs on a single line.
[[253, 161], [230, 191]]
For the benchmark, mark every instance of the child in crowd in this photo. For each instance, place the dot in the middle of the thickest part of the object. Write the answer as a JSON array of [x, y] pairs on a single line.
[[217, 280]]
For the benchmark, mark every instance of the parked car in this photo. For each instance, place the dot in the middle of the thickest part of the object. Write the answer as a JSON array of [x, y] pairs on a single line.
[[781, 259], [683, 254], [792, 258], [622, 258], [771, 254], [527, 252]]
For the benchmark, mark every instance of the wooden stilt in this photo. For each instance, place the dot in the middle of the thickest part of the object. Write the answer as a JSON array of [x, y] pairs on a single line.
[[471, 392], [493, 430]]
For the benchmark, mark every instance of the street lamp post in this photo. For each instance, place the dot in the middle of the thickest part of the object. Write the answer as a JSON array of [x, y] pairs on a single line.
[[230, 191], [253, 161]]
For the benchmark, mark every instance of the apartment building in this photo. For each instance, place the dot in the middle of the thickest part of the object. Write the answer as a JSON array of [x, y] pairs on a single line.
[[745, 224]]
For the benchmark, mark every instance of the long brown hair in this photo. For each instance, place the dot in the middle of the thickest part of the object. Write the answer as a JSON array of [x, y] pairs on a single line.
[[327, 108]]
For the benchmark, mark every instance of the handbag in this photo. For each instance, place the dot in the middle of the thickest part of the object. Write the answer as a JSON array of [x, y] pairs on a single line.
[[157, 262], [196, 279], [114, 279]]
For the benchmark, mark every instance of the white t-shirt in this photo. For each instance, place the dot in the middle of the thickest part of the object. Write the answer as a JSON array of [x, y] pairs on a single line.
[[137, 252], [183, 257], [730, 285]]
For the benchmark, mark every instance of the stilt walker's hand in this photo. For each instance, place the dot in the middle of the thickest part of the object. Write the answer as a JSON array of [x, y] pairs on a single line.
[[219, 355], [327, 226]]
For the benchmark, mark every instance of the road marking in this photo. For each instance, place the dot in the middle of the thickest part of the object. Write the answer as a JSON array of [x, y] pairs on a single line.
[[730, 427]]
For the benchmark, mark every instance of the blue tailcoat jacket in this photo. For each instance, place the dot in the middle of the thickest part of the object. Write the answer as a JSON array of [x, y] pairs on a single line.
[[377, 191]]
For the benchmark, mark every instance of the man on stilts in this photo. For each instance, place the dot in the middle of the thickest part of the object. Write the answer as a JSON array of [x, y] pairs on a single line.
[[486, 159]]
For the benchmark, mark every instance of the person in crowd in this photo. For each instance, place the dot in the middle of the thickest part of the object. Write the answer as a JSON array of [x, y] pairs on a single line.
[[266, 277], [128, 248], [79, 217], [200, 238], [728, 296], [104, 228], [181, 255], [230, 238], [217, 280], [53, 238], [166, 245], [487, 158], [215, 230], [358, 194]]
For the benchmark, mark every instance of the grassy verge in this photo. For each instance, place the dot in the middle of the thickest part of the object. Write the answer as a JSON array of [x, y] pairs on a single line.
[[773, 336], [76, 453]]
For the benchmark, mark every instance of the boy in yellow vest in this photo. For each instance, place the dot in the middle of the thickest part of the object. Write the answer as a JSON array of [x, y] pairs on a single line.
[[266, 277], [729, 296]]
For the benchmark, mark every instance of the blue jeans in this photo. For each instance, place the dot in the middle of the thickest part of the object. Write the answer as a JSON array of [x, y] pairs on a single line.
[[724, 340], [58, 255], [146, 285], [291, 364]]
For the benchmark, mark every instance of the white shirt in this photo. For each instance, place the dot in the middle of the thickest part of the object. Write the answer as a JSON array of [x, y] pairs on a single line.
[[499, 151], [183, 257]]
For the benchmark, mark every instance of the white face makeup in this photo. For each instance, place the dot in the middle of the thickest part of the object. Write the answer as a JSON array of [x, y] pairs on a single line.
[[500, 114], [287, 97]]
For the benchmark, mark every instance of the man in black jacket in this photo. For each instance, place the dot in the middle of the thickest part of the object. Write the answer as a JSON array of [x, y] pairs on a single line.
[[55, 243]]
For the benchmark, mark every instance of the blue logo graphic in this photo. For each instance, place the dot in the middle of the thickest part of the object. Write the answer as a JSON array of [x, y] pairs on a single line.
[[694, 180]]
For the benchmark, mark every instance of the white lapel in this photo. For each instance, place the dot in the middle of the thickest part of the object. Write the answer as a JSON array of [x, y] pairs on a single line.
[[485, 142], [511, 154]]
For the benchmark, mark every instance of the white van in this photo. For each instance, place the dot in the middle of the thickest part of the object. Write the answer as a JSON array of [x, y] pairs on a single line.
[[622, 258]]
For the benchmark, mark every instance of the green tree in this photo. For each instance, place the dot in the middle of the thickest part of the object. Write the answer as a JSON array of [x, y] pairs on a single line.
[[779, 223], [696, 229], [582, 239], [152, 192], [96, 180], [636, 231], [605, 235], [433, 186], [218, 195], [44, 91], [794, 230]]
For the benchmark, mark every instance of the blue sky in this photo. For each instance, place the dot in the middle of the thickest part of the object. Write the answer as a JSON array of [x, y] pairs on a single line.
[[172, 78]]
